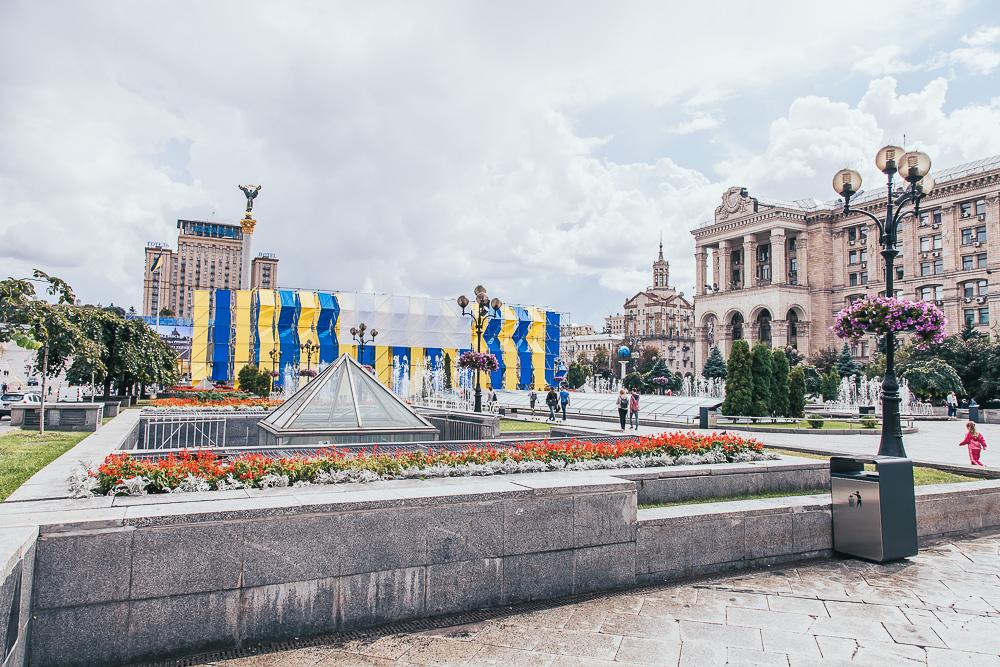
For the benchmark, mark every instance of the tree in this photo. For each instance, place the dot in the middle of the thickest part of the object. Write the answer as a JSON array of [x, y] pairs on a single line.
[[760, 365], [794, 356], [970, 356], [34, 323], [797, 392], [876, 367], [633, 381], [715, 365], [824, 360], [584, 360], [846, 366], [647, 358], [829, 386], [932, 378], [254, 380], [602, 361], [447, 370], [779, 383], [166, 312], [739, 381], [577, 375], [660, 370]]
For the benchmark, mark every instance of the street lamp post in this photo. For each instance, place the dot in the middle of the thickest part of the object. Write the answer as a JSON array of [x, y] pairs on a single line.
[[482, 312], [310, 347], [275, 355], [913, 167], [358, 334]]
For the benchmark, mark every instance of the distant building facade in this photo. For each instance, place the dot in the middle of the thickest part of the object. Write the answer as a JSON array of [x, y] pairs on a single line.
[[209, 255], [778, 272], [615, 324], [660, 317]]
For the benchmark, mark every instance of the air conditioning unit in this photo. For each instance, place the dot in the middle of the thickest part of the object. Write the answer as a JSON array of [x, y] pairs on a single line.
[[967, 299], [977, 244], [937, 253], [923, 255], [982, 216], [936, 225], [850, 243], [966, 215], [938, 302], [980, 299]]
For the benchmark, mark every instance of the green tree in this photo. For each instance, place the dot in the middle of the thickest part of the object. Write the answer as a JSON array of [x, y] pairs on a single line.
[[829, 386], [824, 360], [779, 383], [970, 356], [648, 358], [797, 392], [633, 381], [846, 366], [37, 324], [576, 376], [760, 365], [739, 381], [602, 361], [876, 367], [254, 380], [166, 312], [932, 379], [447, 370], [794, 356], [715, 365]]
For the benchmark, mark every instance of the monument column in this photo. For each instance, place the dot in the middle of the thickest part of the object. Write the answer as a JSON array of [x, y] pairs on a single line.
[[700, 257], [749, 260], [725, 275], [247, 223], [779, 266]]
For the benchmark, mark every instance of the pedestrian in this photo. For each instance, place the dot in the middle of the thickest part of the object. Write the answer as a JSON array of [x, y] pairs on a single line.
[[975, 442], [563, 399], [622, 407], [491, 398], [633, 409], [532, 399], [551, 400], [952, 402], [3, 388]]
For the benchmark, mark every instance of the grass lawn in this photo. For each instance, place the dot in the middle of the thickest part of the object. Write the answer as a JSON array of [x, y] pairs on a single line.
[[750, 496], [23, 453], [921, 475], [827, 423], [517, 426]]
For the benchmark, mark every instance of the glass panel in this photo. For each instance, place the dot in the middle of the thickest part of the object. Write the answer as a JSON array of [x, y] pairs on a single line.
[[377, 406], [331, 407]]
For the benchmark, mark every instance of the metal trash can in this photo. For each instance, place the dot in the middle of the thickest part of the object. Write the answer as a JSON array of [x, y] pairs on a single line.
[[974, 414], [874, 513], [707, 417], [866, 410]]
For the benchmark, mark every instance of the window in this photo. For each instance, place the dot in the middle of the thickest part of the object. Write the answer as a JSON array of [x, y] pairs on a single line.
[[931, 293], [975, 288], [899, 272], [852, 280], [971, 235], [929, 243], [864, 277], [984, 315], [977, 261], [852, 257], [974, 316], [930, 217], [965, 208], [852, 234], [854, 297], [980, 207], [931, 268], [791, 243]]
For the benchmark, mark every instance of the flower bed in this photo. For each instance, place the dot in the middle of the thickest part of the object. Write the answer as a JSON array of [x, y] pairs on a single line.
[[229, 403], [120, 474]]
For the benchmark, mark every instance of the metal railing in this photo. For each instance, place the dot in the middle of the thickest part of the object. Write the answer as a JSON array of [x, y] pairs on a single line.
[[182, 431]]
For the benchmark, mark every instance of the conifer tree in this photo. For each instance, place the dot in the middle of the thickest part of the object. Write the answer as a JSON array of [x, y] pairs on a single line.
[[760, 368], [797, 392], [779, 383], [739, 381], [715, 365], [846, 366]]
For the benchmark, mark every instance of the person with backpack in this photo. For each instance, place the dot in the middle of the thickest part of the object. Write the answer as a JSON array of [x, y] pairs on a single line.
[[975, 442], [633, 409], [563, 399], [552, 401], [622, 407]]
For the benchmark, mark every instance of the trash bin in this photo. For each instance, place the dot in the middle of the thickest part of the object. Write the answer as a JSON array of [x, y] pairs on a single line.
[[866, 410], [707, 417], [874, 512], [974, 414]]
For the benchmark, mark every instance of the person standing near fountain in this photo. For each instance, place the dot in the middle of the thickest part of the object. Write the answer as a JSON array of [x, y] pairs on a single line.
[[952, 402], [552, 400], [622, 401], [532, 399], [975, 442], [633, 410], [563, 399]]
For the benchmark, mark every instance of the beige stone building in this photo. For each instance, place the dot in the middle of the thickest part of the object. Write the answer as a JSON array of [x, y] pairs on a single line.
[[615, 324], [209, 255], [661, 317], [779, 272]]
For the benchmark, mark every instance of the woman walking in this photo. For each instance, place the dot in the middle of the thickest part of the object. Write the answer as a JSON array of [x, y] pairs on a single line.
[[551, 401], [975, 442], [633, 410], [622, 407]]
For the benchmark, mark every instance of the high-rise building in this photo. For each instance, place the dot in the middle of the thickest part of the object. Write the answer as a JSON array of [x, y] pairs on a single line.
[[209, 255], [778, 272]]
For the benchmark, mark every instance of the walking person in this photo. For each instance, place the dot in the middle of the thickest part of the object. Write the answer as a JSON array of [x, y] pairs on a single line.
[[622, 401], [952, 402], [563, 399], [975, 442], [551, 400], [633, 410], [532, 399]]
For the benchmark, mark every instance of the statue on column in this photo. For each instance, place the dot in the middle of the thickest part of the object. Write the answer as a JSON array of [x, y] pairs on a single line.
[[250, 191]]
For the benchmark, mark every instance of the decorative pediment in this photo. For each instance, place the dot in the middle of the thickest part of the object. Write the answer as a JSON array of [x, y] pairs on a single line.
[[735, 201]]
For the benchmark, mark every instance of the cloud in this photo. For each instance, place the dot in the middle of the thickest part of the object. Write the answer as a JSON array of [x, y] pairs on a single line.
[[886, 59], [696, 122]]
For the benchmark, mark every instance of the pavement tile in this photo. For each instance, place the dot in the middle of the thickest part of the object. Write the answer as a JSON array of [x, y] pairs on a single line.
[[768, 620], [644, 651], [794, 605], [440, 651], [918, 635], [837, 648], [937, 657], [874, 653], [725, 635], [699, 654], [490, 656], [507, 635], [587, 618], [747, 656], [627, 625], [732, 599], [714, 613], [781, 641], [860, 610], [346, 659], [974, 642], [579, 644], [390, 647], [850, 628]]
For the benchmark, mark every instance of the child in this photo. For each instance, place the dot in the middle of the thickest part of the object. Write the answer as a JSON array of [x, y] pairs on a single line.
[[975, 442]]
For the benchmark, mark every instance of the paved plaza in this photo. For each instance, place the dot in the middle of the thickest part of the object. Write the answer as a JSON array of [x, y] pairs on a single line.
[[939, 608]]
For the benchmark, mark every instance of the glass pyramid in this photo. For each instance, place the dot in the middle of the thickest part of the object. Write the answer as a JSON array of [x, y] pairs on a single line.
[[345, 398]]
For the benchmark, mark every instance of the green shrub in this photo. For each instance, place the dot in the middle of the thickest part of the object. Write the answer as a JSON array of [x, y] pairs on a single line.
[[815, 421], [869, 422]]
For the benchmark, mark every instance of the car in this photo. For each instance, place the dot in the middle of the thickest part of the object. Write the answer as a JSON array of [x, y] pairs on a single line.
[[17, 398]]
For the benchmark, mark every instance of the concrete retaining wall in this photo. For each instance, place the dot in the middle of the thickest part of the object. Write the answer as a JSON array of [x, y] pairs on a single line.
[[17, 561], [119, 580]]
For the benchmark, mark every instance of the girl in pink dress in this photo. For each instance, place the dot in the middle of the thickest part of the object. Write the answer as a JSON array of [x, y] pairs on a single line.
[[975, 442]]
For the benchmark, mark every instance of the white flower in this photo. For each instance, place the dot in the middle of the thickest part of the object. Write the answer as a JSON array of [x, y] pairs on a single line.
[[81, 483], [193, 484], [229, 483], [272, 481]]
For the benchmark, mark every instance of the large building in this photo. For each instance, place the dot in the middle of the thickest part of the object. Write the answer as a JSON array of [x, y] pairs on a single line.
[[285, 331], [661, 317], [209, 255], [778, 272]]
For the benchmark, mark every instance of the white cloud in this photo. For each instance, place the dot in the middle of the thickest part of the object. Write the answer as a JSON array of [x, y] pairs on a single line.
[[886, 59], [696, 122], [983, 36]]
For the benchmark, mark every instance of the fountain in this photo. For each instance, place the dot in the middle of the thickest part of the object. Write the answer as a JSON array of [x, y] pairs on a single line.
[[401, 376], [857, 391], [703, 387]]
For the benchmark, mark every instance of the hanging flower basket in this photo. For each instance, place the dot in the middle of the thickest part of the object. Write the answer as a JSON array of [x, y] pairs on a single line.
[[661, 381], [275, 374], [478, 361], [877, 316], [307, 373]]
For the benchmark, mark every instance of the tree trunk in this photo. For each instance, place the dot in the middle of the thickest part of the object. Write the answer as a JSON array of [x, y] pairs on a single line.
[[107, 386], [45, 371]]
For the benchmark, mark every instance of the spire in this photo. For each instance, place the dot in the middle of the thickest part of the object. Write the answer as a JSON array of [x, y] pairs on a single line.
[[661, 244]]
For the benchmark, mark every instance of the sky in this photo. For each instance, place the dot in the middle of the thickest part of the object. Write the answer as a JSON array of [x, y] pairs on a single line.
[[422, 148]]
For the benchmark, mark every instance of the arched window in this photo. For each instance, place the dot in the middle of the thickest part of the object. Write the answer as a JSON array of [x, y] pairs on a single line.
[[793, 328], [737, 325], [764, 326]]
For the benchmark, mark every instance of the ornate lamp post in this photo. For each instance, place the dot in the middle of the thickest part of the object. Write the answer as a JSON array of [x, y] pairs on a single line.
[[913, 167], [275, 355], [482, 312], [358, 334], [310, 347]]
